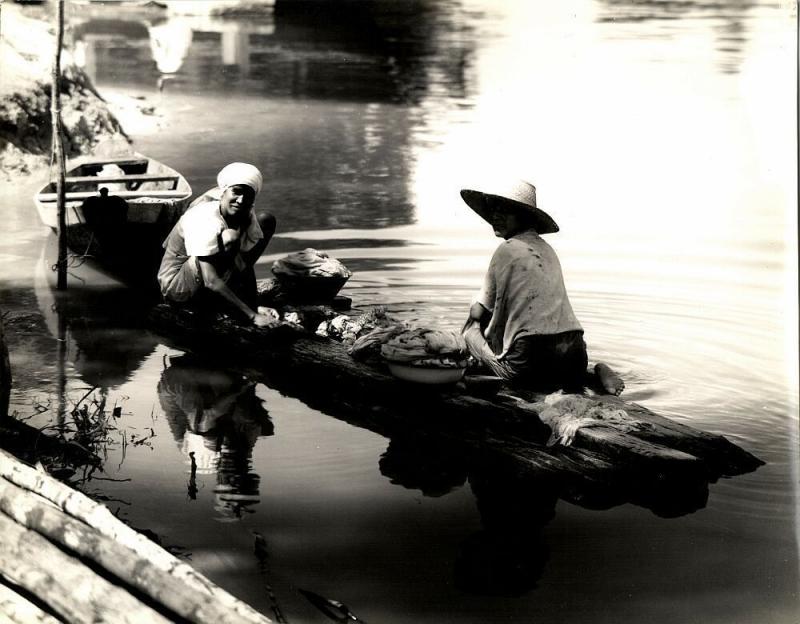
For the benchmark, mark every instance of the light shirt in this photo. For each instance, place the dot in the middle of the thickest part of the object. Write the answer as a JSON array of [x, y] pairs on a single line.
[[524, 291], [198, 234], [203, 224]]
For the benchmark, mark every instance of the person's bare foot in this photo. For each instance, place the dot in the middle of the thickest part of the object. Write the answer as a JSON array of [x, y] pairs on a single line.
[[609, 380]]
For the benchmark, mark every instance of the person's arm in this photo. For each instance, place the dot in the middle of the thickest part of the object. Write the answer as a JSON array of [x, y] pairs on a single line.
[[267, 223], [479, 315], [479, 318], [217, 285]]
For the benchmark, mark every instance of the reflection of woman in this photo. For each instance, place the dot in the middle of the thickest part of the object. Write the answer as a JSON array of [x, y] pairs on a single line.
[[508, 555], [433, 468], [216, 418]]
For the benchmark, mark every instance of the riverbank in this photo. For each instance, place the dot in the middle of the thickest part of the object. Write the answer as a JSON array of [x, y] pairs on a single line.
[[27, 46]]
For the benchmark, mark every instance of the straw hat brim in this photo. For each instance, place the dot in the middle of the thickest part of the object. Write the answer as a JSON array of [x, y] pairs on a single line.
[[476, 200]]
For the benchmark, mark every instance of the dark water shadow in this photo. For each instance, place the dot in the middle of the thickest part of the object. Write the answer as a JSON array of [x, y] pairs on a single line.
[[509, 554], [99, 323]]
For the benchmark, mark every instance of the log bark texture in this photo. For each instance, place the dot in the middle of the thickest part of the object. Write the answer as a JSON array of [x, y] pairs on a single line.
[[37, 514], [69, 587], [19, 610]]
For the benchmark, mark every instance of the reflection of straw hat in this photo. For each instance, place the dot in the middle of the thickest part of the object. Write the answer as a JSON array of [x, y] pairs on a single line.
[[205, 458], [514, 193]]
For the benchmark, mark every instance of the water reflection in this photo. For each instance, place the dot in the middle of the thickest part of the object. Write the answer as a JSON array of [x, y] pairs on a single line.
[[100, 325], [364, 50], [509, 554], [342, 159], [216, 418], [432, 468], [729, 21]]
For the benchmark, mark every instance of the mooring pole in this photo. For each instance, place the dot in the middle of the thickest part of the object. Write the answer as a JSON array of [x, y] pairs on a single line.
[[58, 151]]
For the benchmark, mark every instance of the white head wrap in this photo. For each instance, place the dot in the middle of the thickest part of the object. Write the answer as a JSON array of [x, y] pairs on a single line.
[[239, 173]]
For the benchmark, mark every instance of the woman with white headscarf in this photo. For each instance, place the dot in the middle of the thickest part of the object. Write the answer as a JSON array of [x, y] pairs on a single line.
[[210, 254]]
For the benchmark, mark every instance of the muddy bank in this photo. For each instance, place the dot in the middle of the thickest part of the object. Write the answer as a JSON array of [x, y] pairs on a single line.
[[27, 47]]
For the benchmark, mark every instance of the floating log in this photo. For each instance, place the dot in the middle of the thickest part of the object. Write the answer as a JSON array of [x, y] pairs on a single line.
[[607, 435], [198, 598]]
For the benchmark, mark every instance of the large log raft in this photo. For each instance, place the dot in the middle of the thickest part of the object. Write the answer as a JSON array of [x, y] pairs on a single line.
[[602, 439]]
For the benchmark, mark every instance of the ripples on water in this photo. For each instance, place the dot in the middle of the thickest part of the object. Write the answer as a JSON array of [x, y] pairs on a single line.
[[656, 133]]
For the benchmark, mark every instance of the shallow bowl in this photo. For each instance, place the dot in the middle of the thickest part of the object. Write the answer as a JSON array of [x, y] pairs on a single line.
[[425, 374]]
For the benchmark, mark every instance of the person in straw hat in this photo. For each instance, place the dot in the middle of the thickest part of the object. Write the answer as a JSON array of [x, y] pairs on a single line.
[[210, 253], [521, 324]]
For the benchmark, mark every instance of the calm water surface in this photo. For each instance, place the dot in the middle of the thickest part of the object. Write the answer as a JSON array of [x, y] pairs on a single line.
[[660, 136]]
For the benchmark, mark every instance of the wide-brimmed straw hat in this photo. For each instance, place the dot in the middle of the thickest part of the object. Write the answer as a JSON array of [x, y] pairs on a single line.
[[514, 193]]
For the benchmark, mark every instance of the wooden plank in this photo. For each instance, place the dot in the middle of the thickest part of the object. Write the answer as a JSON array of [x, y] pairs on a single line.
[[135, 177], [120, 160], [82, 195]]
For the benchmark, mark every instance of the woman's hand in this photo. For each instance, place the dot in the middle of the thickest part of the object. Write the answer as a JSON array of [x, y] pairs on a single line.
[[262, 320]]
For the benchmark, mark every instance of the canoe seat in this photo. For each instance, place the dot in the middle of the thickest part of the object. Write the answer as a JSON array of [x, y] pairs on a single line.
[[127, 161], [136, 177], [81, 195]]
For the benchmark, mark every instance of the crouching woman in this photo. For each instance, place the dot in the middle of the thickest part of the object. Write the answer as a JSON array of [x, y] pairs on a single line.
[[210, 254]]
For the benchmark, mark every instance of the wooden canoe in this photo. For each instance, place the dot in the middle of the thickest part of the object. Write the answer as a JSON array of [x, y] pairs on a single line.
[[604, 439], [124, 231]]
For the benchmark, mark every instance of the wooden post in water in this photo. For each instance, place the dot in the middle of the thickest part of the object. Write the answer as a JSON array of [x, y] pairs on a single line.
[[58, 151], [5, 373]]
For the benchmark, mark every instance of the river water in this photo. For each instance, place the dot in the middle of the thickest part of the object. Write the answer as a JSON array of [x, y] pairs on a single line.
[[661, 137]]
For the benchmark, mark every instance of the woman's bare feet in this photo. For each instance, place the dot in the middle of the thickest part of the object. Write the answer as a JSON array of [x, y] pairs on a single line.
[[609, 380]]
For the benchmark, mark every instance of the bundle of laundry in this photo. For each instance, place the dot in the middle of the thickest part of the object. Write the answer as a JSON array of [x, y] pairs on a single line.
[[309, 263], [310, 275], [430, 348]]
